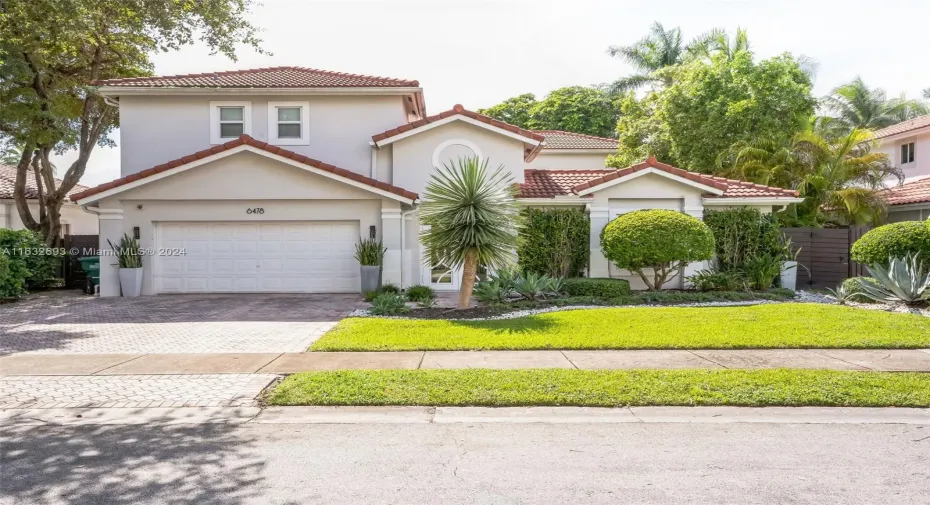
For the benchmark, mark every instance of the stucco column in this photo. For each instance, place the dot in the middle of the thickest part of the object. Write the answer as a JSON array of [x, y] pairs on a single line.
[[111, 228], [4, 215], [600, 267], [390, 237], [692, 268]]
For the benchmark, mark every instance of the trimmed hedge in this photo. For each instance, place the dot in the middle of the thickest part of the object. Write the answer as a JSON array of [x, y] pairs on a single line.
[[554, 242], [596, 287], [852, 284], [742, 233], [895, 239], [27, 263]]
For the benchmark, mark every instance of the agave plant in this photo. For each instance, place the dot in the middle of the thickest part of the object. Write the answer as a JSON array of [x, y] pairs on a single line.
[[905, 280], [842, 293], [534, 286]]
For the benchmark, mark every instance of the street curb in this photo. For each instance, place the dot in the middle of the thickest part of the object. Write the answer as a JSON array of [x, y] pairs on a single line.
[[463, 415]]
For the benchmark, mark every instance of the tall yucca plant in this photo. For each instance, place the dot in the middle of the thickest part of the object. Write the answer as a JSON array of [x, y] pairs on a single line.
[[470, 216]]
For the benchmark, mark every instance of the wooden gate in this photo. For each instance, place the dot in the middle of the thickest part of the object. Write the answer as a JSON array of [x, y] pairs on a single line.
[[824, 255], [77, 246]]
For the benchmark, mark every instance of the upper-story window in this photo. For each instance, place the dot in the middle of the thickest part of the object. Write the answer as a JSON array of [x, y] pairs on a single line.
[[229, 120], [907, 153], [288, 123]]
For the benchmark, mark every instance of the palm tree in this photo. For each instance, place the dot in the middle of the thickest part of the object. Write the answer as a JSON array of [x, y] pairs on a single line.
[[11, 156], [839, 176], [717, 42], [927, 93], [659, 50], [855, 105], [470, 219]]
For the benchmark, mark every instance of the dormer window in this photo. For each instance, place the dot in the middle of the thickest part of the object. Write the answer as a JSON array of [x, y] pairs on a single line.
[[229, 120], [288, 123]]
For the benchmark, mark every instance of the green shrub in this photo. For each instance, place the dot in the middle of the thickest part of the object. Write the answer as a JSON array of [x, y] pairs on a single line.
[[390, 288], [32, 265], [419, 293], [893, 240], [12, 283], [852, 285], [533, 286], [387, 304], [596, 287], [761, 271], [554, 242], [741, 234], [661, 240], [370, 295], [718, 280]]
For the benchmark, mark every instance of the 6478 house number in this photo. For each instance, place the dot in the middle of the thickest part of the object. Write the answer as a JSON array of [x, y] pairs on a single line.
[[255, 210]]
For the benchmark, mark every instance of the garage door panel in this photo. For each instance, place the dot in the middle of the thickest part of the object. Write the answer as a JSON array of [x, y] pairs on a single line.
[[258, 257]]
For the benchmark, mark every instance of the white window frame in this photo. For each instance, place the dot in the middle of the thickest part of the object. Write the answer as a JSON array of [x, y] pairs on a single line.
[[912, 151], [215, 120], [304, 124]]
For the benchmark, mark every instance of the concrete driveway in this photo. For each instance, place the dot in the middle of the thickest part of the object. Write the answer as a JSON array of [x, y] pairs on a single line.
[[71, 323]]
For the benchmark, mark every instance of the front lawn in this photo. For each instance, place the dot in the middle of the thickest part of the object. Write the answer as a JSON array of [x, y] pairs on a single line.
[[605, 388], [789, 325]]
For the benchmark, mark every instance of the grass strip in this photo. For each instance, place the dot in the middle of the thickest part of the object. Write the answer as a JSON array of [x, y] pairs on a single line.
[[789, 325], [605, 388]]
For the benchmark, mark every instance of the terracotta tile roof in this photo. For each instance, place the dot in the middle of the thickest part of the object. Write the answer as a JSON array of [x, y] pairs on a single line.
[[459, 110], [557, 139], [246, 140], [272, 77], [8, 181], [552, 183], [903, 127], [917, 191]]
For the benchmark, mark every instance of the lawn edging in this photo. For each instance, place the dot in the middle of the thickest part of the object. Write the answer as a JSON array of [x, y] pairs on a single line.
[[604, 388]]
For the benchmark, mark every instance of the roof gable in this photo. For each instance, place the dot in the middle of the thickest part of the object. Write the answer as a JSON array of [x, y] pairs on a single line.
[[248, 143], [651, 166], [917, 191], [459, 113]]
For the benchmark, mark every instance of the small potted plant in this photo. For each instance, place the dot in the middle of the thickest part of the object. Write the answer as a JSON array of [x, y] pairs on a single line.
[[129, 256], [789, 265], [370, 255]]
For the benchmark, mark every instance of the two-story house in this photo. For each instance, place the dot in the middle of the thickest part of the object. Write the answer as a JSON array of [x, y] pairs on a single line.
[[907, 145], [264, 180]]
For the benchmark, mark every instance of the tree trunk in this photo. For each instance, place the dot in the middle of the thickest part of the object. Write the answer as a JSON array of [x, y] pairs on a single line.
[[468, 278]]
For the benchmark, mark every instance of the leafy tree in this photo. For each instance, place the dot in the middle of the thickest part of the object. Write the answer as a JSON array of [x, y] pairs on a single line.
[[51, 51], [855, 105], [927, 93], [515, 111], [11, 156], [838, 177], [578, 109], [470, 217], [641, 130], [713, 105]]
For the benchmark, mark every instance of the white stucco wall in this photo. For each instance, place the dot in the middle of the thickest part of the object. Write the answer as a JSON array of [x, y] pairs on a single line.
[[921, 165], [157, 129], [223, 190], [569, 161], [412, 156], [80, 222]]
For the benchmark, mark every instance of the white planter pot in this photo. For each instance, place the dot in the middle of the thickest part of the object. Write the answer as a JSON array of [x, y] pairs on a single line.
[[130, 281], [789, 275]]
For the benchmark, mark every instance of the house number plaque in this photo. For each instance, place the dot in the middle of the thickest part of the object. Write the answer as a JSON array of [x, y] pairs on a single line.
[[255, 210]]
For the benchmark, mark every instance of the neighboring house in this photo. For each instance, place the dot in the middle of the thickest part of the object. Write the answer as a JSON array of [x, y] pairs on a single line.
[[907, 144], [264, 180], [74, 221], [909, 201]]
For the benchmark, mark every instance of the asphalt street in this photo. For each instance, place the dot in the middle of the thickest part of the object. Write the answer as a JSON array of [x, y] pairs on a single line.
[[514, 463]]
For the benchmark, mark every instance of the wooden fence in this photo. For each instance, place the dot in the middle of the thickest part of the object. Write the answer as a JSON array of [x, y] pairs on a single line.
[[824, 255]]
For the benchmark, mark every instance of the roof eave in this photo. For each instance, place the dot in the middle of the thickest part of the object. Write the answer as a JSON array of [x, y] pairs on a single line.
[[756, 200], [116, 91]]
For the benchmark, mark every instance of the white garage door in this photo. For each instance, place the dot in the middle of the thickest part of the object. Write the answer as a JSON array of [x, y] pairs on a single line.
[[285, 257]]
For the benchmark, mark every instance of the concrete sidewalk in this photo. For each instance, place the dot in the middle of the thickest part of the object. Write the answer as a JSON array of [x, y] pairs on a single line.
[[913, 360]]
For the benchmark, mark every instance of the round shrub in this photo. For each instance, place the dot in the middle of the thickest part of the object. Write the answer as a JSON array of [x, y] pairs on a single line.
[[893, 240], [661, 240], [852, 284]]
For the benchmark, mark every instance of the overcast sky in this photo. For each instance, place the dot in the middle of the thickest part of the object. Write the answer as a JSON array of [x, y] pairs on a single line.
[[478, 53]]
